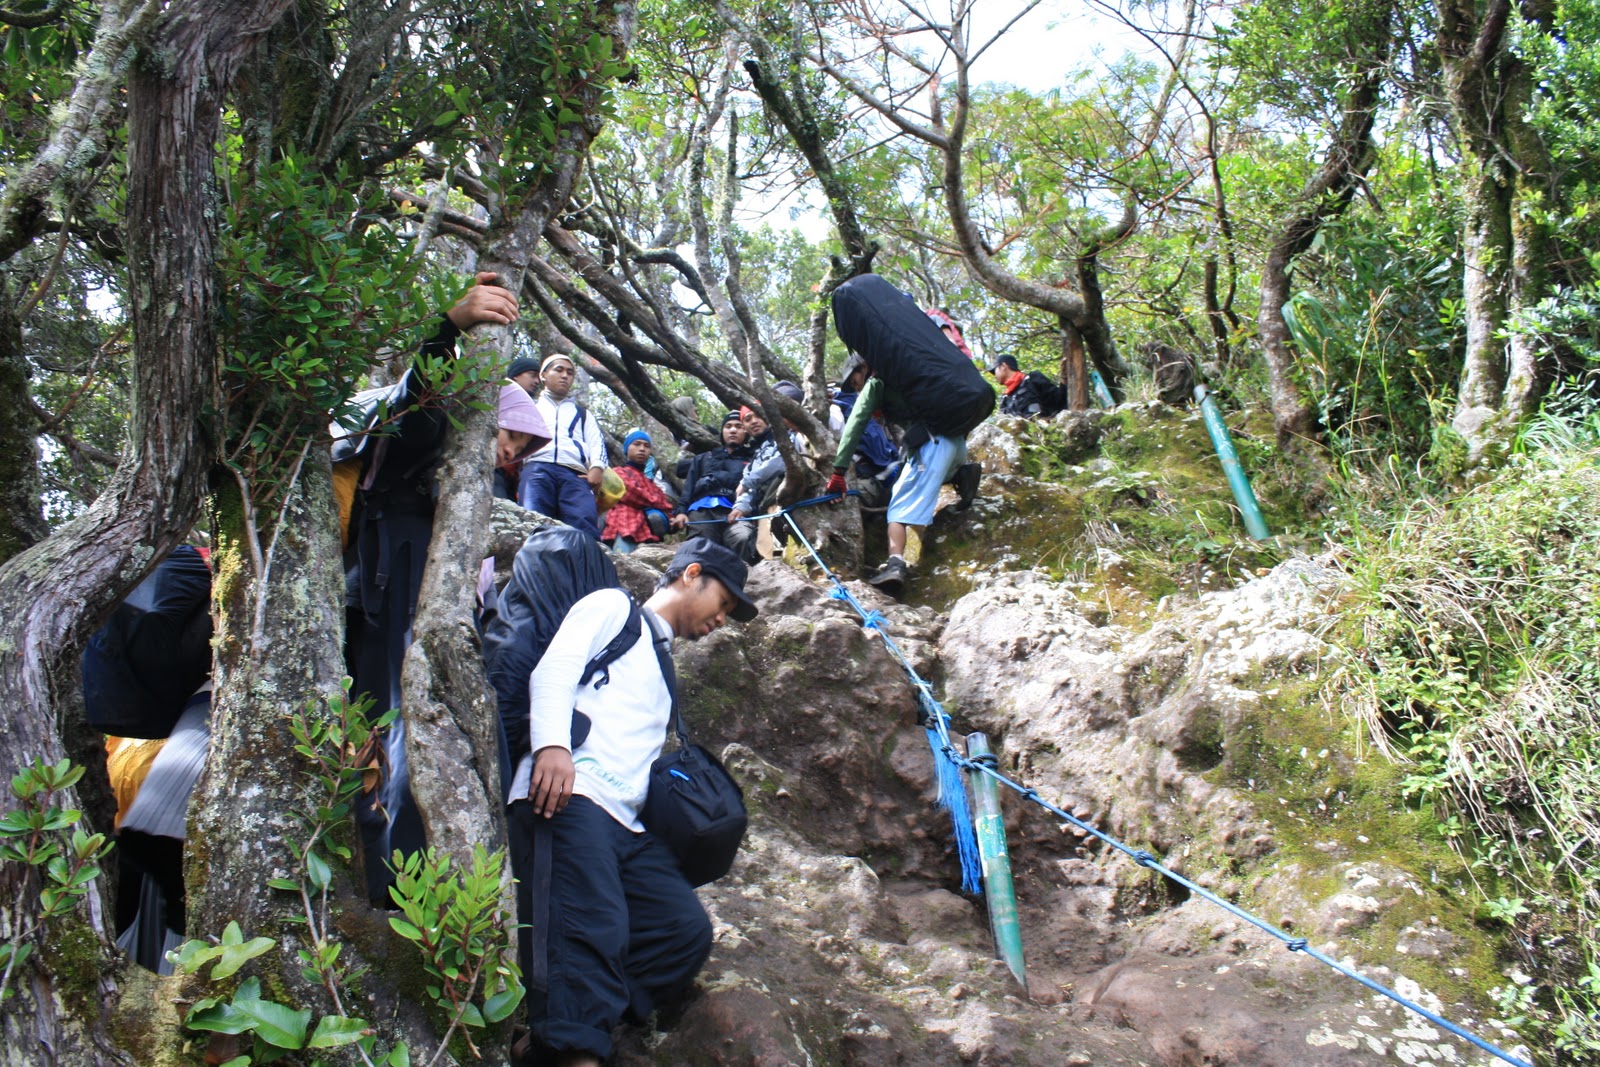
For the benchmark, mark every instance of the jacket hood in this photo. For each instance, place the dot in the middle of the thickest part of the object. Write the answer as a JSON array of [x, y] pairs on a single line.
[[518, 412]]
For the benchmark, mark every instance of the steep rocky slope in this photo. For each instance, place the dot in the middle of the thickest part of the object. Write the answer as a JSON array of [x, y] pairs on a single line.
[[1188, 722]]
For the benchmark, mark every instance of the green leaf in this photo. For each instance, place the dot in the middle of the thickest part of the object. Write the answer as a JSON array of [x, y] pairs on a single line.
[[399, 1056], [219, 1018], [471, 1016], [276, 1023], [318, 870], [288, 884], [192, 955], [335, 1030], [236, 956], [502, 1004], [405, 929]]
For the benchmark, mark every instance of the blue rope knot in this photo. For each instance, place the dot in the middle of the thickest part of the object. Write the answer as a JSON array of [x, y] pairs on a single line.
[[839, 592], [873, 620], [1144, 859], [1297, 944]]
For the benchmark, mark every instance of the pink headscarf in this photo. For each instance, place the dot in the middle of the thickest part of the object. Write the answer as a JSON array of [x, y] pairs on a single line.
[[518, 412]]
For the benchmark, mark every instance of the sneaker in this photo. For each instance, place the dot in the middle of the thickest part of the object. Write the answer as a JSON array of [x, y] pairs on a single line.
[[966, 482], [891, 577]]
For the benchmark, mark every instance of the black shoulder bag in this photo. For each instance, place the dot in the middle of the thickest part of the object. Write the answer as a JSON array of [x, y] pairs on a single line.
[[693, 805]]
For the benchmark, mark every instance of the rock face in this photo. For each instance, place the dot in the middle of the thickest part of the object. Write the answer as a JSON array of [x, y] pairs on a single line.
[[841, 934]]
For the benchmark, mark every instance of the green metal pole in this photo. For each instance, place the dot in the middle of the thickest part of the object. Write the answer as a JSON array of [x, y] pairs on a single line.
[[1243, 495], [1101, 392], [997, 887]]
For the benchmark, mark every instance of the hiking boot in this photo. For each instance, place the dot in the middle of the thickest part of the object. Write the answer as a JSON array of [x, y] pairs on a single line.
[[966, 482], [891, 577]]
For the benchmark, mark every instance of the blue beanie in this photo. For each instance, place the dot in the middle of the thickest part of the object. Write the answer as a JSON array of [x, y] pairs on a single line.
[[636, 435]]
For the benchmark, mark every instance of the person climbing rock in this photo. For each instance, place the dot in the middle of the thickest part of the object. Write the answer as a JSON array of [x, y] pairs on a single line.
[[388, 491], [923, 383], [622, 931]]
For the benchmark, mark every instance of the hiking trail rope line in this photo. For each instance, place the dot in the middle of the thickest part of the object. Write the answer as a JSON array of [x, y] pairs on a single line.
[[948, 761]]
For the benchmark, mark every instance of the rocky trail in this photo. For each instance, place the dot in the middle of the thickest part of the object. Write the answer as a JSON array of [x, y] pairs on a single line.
[[1192, 727]]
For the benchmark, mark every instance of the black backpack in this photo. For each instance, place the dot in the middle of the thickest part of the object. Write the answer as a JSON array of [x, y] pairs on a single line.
[[553, 570], [694, 805], [942, 389], [143, 665]]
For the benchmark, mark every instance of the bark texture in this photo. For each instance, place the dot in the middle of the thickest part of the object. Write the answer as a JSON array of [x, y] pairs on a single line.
[[60, 589], [21, 521]]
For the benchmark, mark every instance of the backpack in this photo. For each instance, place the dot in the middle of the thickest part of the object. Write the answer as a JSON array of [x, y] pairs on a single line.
[[943, 391], [553, 570], [143, 665], [694, 805]]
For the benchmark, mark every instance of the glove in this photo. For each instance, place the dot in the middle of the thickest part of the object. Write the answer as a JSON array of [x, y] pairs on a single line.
[[835, 484]]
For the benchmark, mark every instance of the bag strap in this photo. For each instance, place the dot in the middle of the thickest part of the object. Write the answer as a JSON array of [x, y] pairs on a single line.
[[669, 673], [626, 638]]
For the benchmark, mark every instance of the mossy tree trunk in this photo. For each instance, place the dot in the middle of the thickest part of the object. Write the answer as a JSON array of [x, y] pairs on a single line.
[[1506, 192], [57, 591]]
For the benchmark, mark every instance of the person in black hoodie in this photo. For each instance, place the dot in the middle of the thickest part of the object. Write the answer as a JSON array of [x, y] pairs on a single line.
[[711, 484]]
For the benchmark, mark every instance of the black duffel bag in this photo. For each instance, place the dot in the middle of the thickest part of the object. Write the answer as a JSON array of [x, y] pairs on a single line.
[[693, 805]]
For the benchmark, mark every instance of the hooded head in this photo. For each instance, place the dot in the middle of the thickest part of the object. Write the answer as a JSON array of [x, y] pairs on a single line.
[[521, 428]]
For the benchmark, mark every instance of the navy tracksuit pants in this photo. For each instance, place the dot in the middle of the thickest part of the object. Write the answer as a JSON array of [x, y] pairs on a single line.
[[622, 931], [560, 493]]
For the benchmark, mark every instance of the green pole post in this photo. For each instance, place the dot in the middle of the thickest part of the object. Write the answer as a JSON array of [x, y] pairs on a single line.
[[997, 887], [1101, 392], [1243, 495]]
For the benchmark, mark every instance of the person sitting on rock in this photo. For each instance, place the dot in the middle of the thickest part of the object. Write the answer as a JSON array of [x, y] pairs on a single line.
[[1027, 395], [762, 478], [877, 457], [711, 481], [559, 479], [628, 523], [623, 932]]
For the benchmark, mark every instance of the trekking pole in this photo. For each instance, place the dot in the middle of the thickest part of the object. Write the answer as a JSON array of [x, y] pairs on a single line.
[[998, 889], [1101, 393]]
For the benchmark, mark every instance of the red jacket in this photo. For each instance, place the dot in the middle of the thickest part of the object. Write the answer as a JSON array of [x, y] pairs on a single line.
[[626, 519]]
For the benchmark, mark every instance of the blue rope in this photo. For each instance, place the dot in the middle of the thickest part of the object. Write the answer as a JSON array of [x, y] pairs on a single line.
[[796, 506], [947, 756]]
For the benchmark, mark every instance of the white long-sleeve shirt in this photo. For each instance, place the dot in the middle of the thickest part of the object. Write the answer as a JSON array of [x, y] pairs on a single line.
[[579, 446], [629, 715]]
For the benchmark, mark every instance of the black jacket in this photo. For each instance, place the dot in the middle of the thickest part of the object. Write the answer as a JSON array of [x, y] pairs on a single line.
[[1036, 396], [714, 473]]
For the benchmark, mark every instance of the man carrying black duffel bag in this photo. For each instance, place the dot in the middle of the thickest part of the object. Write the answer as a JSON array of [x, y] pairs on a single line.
[[621, 931], [923, 383]]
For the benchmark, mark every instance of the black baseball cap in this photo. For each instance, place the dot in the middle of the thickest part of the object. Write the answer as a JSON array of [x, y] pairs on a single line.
[[724, 565], [1009, 361]]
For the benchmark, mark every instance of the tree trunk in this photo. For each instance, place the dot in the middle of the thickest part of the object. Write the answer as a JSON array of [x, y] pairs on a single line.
[[1505, 247], [60, 589], [450, 714], [1325, 196]]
